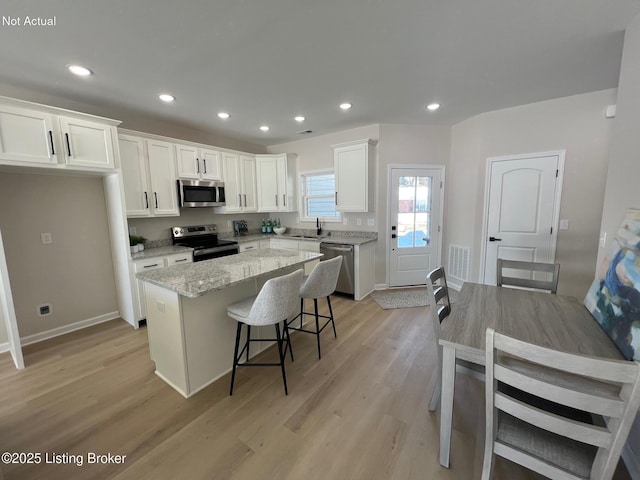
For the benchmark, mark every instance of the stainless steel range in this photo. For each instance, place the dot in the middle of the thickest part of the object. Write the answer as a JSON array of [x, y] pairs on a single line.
[[204, 241]]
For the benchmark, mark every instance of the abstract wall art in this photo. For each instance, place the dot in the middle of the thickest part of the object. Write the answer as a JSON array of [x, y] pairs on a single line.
[[614, 296]]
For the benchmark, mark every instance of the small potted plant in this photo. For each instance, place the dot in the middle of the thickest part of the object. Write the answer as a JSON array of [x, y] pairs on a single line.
[[133, 243], [141, 242]]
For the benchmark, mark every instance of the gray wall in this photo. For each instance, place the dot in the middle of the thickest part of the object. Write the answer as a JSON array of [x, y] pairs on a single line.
[[623, 179], [575, 124], [74, 273]]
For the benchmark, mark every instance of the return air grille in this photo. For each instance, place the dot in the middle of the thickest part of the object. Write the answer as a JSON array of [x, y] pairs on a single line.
[[458, 262]]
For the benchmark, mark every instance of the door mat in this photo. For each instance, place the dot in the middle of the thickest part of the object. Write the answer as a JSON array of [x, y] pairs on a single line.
[[405, 297]]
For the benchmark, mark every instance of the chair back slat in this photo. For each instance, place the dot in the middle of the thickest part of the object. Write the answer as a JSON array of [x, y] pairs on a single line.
[[537, 387], [551, 271], [593, 403], [582, 432]]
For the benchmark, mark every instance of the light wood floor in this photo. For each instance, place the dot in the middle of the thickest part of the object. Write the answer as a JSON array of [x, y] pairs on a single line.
[[359, 413]]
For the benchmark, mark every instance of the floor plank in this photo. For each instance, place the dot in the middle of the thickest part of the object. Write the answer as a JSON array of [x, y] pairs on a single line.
[[358, 413]]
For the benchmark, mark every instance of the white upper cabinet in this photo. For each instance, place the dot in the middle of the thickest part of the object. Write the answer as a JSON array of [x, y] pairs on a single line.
[[239, 172], [354, 170], [27, 135], [276, 186], [87, 143], [198, 163], [36, 134], [149, 177]]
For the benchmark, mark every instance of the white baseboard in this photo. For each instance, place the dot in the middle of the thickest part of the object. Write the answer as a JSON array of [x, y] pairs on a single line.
[[380, 286], [55, 332], [4, 347], [452, 284]]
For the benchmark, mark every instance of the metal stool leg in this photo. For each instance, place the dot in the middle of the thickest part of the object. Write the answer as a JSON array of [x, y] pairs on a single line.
[[248, 342], [235, 357], [315, 308], [333, 324], [284, 375]]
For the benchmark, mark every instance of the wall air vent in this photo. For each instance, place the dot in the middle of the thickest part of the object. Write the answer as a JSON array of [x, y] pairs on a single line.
[[305, 132], [458, 262]]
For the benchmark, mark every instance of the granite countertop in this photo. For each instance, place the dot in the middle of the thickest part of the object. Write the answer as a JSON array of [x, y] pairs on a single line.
[[159, 252], [196, 279], [333, 238]]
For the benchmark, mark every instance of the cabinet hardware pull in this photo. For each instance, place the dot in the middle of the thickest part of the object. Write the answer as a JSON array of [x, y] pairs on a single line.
[[284, 200], [276, 195], [53, 152], [239, 200], [149, 266], [197, 165], [181, 260], [204, 162], [155, 194], [68, 143], [245, 199], [146, 200], [336, 198]]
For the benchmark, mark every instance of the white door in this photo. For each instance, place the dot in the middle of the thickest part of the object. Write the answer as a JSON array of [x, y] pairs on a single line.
[[8, 313], [415, 224], [520, 218]]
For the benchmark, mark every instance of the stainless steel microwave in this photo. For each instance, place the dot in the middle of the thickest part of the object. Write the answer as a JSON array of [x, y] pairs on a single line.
[[200, 193]]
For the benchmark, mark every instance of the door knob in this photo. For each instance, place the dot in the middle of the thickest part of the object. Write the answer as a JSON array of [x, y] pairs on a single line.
[[494, 239]]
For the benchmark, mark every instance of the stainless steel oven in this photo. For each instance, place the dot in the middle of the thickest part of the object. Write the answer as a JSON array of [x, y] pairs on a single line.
[[204, 241]]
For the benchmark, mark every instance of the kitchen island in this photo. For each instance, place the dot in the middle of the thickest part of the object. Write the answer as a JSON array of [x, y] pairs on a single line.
[[191, 338]]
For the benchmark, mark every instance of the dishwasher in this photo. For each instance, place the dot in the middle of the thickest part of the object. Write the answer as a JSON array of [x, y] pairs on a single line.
[[346, 279]]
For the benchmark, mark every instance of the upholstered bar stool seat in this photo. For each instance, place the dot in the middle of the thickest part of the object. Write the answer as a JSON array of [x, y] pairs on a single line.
[[274, 304], [321, 282]]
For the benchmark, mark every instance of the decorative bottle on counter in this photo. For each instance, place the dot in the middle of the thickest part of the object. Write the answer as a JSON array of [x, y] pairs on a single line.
[[264, 226], [269, 226]]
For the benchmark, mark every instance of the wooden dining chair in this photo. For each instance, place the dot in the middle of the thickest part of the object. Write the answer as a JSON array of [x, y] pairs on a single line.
[[440, 308], [546, 442], [530, 268]]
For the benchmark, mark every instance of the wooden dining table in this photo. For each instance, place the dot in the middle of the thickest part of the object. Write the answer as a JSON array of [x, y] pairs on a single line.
[[555, 321]]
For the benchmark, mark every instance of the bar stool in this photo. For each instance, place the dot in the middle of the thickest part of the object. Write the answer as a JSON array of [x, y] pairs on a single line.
[[321, 282], [275, 303]]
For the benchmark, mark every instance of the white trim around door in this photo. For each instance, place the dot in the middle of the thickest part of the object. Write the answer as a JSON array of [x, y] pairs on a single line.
[[437, 230]]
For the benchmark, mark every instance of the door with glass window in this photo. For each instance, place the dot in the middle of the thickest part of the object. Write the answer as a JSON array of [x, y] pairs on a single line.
[[415, 229]]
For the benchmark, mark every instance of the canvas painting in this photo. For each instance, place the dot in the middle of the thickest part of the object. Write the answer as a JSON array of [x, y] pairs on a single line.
[[614, 296]]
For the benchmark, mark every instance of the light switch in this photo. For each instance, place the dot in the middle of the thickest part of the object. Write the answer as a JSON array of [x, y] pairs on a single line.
[[358, 221], [603, 239], [371, 222], [564, 224], [160, 307], [133, 231], [46, 238]]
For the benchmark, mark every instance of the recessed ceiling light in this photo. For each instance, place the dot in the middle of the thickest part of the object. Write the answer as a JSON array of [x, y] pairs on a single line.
[[299, 118], [433, 106], [264, 128], [165, 97], [223, 115], [79, 70], [345, 106]]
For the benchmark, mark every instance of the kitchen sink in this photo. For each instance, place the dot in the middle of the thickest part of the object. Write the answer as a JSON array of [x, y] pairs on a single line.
[[315, 237]]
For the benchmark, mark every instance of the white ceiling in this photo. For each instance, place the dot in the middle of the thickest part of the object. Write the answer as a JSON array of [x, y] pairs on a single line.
[[265, 61]]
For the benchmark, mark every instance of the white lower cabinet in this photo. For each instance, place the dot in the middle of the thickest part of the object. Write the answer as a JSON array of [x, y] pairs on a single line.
[[247, 246], [299, 245], [153, 264]]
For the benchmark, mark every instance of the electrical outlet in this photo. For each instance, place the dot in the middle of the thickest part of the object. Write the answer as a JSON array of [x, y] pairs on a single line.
[[564, 224], [371, 222], [133, 231], [345, 221], [603, 239], [230, 223], [46, 238], [358, 221]]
